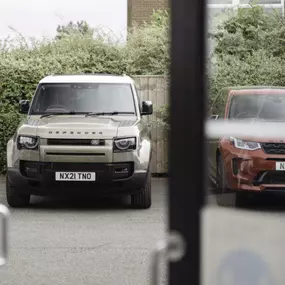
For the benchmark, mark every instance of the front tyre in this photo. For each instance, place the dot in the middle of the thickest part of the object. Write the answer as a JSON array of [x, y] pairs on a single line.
[[243, 199], [14, 198], [142, 200]]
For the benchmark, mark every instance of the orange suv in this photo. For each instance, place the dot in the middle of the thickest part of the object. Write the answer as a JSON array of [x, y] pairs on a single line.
[[249, 166]]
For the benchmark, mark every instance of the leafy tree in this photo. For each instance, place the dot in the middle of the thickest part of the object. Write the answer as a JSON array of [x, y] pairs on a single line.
[[250, 50], [80, 27], [250, 30], [160, 18]]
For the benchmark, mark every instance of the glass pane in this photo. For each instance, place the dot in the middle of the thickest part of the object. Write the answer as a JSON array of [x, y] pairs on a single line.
[[220, 1], [261, 1], [245, 157], [217, 16], [246, 145], [274, 10], [83, 98]]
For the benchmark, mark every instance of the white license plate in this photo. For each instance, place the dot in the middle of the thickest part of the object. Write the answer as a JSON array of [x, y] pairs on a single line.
[[75, 176], [280, 166]]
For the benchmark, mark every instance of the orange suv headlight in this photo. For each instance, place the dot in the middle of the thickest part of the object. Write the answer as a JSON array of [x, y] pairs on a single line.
[[247, 145]]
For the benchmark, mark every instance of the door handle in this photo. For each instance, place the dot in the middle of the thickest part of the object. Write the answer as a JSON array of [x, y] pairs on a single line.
[[4, 212], [172, 249]]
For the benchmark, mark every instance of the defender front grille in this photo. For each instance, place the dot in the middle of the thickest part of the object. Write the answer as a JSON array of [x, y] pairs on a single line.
[[274, 148], [83, 142]]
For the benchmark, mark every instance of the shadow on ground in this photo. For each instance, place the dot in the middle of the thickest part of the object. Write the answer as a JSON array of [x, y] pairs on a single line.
[[264, 203], [79, 203]]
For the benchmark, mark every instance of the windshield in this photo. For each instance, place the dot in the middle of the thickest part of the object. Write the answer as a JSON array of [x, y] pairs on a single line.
[[83, 98], [269, 107]]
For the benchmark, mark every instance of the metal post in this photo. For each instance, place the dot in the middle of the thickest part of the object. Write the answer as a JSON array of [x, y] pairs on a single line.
[[4, 216], [186, 150]]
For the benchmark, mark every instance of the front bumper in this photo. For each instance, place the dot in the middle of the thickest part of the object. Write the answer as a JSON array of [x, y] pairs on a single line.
[[253, 170], [38, 178]]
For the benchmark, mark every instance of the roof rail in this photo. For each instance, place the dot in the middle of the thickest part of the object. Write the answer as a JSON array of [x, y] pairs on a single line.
[[97, 74]]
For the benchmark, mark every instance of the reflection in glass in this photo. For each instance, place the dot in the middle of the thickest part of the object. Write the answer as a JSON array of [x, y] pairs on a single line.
[[260, 106], [261, 1], [220, 1], [83, 98]]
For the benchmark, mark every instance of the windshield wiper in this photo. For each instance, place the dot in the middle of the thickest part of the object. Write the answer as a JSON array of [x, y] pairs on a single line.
[[107, 113], [58, 113]]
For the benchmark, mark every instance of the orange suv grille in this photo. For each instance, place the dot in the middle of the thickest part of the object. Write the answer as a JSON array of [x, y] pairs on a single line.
[[274, 148]]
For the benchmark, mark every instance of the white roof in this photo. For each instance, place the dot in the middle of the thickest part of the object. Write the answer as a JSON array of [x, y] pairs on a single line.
[[96, 78]]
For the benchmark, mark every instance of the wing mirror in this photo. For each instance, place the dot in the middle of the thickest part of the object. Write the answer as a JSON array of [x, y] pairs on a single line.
[[24, 106], [147, 108]]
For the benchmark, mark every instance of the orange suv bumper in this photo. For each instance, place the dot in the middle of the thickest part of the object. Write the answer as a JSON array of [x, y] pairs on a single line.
[[254, 170]]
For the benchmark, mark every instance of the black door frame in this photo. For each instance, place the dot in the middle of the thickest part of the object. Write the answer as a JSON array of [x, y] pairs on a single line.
[[188, 175]]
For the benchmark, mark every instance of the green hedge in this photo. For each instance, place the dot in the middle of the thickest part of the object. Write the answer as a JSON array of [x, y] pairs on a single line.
[[259, 69], [250, 50], [8, 125]]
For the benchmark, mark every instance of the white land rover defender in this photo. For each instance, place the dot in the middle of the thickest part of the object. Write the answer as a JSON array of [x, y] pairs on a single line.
[[83, 134]]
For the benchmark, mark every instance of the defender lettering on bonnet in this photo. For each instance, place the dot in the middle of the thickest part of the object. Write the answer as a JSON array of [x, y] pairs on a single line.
[[95, 139], [73, 132]]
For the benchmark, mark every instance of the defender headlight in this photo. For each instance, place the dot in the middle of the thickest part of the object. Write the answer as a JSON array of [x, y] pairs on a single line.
[[124, 144], [247, 145], [28, 142]]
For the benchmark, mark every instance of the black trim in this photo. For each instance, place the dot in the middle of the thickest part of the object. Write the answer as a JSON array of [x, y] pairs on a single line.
[[75, 153], [83, 142], [45, 185], [38, 178], [274, 148], [187, 149], [275, 159], [105, 171], [269, 177], [235, 164]]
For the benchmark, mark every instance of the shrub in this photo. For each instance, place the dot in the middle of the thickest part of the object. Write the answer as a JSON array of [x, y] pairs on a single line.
[[249, 50], [258, 69], [8, 125], [250, 30], [163, 116], [147, 48]]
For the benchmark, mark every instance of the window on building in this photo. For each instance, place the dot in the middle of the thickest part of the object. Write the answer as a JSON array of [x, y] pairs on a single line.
[[261, 1]]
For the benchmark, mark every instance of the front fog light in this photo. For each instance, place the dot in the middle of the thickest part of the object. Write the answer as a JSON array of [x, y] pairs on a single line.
[[28, 142]]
